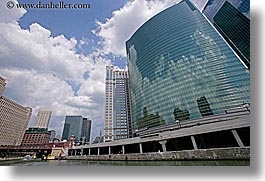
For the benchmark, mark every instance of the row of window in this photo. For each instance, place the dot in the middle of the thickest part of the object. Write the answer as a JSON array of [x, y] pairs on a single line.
[[176, 58]]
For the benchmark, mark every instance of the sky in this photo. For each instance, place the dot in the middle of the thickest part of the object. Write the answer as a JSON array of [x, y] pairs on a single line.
[[56, 58]]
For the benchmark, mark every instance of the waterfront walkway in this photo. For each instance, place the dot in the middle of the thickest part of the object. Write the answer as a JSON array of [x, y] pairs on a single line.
[[229, 131]]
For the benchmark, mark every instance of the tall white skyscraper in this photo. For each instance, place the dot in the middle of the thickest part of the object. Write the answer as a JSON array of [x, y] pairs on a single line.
[[43, 118], [117, 119]]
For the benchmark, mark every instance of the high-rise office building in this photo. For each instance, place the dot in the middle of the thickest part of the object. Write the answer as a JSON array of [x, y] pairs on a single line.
[[77, 126], [86, 130], [117, 119], [2, 85], [180, 68], [14, 119], [72, 126], [36, 136], [212, 7], [232, 20], [43, 118]]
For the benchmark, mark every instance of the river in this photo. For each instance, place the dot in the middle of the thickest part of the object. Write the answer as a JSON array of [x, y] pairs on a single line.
[[125, 163]]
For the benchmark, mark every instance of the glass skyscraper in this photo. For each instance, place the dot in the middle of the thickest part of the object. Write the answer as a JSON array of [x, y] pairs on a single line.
[[232, 20], [117, 120], [180, 68], [86, 130], [78, 126], [213, 6]]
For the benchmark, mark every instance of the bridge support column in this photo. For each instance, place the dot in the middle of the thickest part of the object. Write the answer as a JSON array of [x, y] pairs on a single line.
[[163, 143], [109, 150], [194, 143], [89, 151], [238, 140], [75, 152], [141, 148], [98, 151], [123, 149]]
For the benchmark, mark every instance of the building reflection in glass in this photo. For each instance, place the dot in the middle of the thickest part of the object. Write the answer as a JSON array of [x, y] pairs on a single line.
[[180, 68]]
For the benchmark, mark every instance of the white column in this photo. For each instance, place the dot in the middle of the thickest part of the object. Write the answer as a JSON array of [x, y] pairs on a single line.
[[109, 150], [238, 140], [82, 150], [194, 143], [163, 143], [141, 148], [98, 150], [89, 150], [123, 149]]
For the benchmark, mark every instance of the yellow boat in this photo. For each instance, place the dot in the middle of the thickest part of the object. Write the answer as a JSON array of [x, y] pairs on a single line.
[[51, 157]]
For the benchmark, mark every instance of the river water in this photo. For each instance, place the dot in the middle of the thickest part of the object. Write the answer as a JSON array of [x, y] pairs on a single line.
[[125, 163]]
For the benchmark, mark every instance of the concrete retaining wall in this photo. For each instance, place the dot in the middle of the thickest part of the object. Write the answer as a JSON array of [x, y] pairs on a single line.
[[201, 154]]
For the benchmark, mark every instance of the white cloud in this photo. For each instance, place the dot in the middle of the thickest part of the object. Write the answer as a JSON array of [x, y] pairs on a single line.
[[38, 68], [123, 23], [10, 15], [46, 71], [114, 32], [36, 49]]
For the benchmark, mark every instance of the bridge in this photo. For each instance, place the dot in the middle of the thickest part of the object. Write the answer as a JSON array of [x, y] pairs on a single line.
[[20, 151]]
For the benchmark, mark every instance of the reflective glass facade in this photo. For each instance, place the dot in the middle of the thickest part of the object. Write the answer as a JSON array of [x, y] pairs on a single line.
[[235, 28], [232, 20], [86, 130], [213, 6], [72, 126], [180, 68]]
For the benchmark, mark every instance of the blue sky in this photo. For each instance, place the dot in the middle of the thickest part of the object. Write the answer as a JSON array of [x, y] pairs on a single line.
[[56, 58], [71, 23]]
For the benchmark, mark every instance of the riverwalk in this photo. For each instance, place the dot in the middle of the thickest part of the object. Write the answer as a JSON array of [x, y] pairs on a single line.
[[200, 154]]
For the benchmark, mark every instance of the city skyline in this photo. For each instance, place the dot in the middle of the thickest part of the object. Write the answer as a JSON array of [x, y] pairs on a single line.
[[72, 82], [171, 86]]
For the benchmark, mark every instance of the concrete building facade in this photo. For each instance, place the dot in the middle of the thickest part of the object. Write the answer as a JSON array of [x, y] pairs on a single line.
[[2, 85], [43, 118], [230, 130], [14, 120], [117, 119], [36, 136]]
